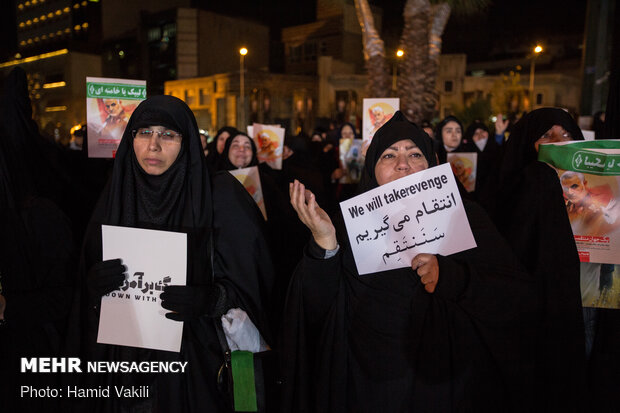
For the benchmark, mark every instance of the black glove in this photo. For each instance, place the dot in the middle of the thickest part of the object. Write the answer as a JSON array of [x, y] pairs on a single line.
[[104, 277], [192, 301]]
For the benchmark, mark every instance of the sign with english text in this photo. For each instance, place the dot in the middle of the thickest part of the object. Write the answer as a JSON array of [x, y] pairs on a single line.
[[420, 213], [132, 315]]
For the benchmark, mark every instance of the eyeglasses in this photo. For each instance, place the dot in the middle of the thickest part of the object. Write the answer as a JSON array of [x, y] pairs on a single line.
[[167, 136]]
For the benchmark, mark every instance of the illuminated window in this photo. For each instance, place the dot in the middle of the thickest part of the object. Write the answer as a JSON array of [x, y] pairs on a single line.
[[84, 3], [44, 37], [50, 15], [67, 30], [77, 27], [58, 12], [84, 25], [22, 43], [21, 7], [51, 35], [22, 25], [34, 2], [59, 33], [66, 10], [37, 39], [27, 4], [43, 18], [35, 20], [29, 41], [28, 22], [76, 6]]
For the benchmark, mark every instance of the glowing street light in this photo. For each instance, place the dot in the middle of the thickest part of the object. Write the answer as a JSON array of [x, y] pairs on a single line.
[[537, 50], [242, 52], [399, 54]]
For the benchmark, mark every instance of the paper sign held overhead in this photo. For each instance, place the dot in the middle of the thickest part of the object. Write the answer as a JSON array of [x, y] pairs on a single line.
[[420, 213], [132, 315]]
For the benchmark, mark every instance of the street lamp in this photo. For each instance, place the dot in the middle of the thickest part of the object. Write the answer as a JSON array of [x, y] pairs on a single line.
[[242, 52], [399, 53], [537, 50]]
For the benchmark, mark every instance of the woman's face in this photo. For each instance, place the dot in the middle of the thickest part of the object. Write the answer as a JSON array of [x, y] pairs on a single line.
[[400, 159], [221, 141], [480, 134], [156, 148], [556, 134], [451, 133], [347, 132], [240, 151]]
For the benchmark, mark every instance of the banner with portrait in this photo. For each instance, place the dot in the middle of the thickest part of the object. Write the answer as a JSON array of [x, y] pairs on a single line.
[[109, 104], [589, 173], [376, 112], [464, 165], [269, 140]]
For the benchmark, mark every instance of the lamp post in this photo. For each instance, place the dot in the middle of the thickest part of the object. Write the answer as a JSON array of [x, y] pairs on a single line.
[[399, 53], [242, 52], [537, 50]]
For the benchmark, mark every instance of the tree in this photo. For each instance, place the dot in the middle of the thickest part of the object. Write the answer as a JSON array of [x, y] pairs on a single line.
[[425, 22]]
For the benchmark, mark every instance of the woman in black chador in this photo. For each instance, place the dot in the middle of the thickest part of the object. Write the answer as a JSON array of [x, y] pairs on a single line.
[[449, 333], [160, 181], [525, 200], [36, 277]]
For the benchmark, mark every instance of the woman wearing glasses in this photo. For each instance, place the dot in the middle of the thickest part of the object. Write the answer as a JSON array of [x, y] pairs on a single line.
[[160, 181]]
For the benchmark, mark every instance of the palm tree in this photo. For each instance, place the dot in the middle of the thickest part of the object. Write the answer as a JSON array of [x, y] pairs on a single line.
[[374, 52], [425, 22]]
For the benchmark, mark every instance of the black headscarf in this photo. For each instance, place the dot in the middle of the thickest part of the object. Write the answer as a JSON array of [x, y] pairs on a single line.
[[519, 150], [224, 163], [180, 198], [467, 143], [213, 156], [394, 130], [442, 154]]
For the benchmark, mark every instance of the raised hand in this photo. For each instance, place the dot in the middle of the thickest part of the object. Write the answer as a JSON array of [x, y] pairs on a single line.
[[313, 216]]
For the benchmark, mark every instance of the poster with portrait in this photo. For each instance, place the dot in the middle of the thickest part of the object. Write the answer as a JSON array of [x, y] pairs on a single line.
[[589, 172], [109, 104], [269, 142], [351, 159], [419, 213], [376, 112], [132, 315], [464, 165], [250, 179]]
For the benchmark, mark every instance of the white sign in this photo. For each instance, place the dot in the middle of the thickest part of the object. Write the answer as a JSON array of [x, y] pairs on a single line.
[[420, 213], [133, 315], [376, 112]]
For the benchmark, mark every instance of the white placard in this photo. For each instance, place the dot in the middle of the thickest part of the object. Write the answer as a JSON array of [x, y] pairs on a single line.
[[376, 112], [588, 134], [420, 213], [133, 315]]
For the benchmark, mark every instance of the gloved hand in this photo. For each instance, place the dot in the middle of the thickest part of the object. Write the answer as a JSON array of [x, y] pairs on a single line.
[[104, 277], [192, 301]]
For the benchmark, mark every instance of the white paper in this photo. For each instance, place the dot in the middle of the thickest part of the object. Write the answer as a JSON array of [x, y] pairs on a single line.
[[420, 213], [133, 315], [376, 112], [588, 134]]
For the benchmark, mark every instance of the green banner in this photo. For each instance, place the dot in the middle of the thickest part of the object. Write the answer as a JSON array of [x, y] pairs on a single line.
[[115, 91], [244, 389], [584, 156]]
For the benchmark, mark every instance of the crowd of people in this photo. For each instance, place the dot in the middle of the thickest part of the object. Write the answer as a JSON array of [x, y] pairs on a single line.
[[499, 327]]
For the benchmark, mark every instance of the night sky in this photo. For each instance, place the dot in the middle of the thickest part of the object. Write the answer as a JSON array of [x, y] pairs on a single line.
[[503, 23]]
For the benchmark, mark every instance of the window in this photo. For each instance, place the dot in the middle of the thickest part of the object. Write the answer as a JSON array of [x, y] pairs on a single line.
[[154, 34], [539, 98], [309, 52], [447, 86], [294, 54]]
